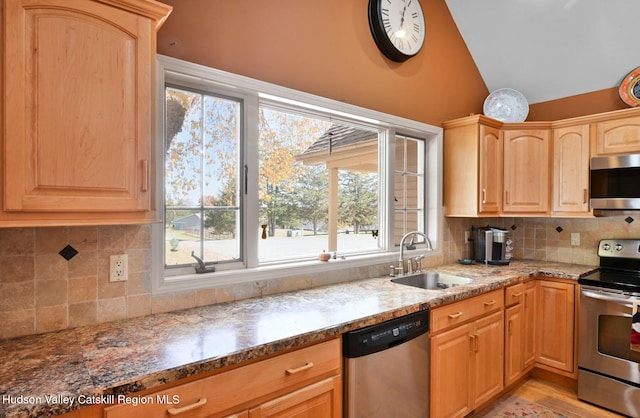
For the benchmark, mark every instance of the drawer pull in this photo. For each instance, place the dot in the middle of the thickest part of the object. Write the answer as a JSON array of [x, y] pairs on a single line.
[[455, 315], [516, 295], [176, 411], [300, 369], [491, 302]]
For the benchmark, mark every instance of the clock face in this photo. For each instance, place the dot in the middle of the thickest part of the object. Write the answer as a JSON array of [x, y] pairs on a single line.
[[398, 27]]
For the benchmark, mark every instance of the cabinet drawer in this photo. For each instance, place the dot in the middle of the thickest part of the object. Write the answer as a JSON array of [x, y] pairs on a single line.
[[226, 390], [465, 310], [514, 294]]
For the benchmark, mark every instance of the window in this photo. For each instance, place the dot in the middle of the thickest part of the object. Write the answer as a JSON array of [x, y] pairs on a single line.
[[202, 203], [318, 186], [259, 180]]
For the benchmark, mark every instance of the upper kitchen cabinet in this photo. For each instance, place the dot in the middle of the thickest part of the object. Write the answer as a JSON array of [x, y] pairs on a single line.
[[473, 167], [617, 133], [526, 169], [78, 111], [571, 170]]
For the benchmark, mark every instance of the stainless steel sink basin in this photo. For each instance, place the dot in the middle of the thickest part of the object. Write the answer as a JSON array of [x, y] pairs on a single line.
[[432, 280]]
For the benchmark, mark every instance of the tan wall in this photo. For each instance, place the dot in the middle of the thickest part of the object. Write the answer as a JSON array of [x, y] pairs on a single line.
[[325, 48], [582, 104]]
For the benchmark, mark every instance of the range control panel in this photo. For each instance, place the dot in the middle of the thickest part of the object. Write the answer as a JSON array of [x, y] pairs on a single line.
[[619, 248]]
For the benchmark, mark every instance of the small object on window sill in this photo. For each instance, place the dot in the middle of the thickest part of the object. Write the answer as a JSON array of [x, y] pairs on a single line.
[[264, 231], [324, 256], [201, 267]]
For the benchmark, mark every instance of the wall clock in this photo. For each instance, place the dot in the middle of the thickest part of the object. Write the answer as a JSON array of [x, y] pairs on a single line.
[[397, 27]]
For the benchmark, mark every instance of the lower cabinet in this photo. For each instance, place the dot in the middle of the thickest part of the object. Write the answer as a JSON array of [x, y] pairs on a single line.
[[467, 360], [520, 321], [316, 400], [555, 329], [305, 382]]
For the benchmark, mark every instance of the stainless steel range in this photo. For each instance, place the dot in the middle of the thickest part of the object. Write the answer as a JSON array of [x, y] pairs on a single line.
[[608, 367]]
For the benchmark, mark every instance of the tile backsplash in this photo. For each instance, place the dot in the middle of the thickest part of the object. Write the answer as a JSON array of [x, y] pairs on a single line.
[[40, 291]]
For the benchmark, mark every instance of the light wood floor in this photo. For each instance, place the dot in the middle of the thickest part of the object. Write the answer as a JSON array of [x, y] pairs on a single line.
[[557, 398]]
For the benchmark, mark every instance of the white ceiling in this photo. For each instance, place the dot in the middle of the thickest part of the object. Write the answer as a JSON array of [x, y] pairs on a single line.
[[549, 49]]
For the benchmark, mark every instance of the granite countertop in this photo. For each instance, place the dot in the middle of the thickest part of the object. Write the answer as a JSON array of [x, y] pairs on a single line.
[[41, 374]]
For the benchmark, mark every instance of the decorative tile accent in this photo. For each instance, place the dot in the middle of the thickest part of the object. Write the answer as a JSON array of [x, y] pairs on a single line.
[[629, 219], [559, 229], [68, 252]]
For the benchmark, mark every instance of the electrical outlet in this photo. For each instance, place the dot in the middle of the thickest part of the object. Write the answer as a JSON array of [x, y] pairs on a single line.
[[575, 239], [118, 268]]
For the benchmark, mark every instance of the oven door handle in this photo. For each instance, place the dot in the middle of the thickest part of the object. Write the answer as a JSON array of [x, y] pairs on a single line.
[[613, 299]]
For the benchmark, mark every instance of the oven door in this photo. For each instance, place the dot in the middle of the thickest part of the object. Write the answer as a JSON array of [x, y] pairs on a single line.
[[604, 334]]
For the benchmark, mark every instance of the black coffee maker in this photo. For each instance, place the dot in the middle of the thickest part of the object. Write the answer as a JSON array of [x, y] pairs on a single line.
[[492, 245]]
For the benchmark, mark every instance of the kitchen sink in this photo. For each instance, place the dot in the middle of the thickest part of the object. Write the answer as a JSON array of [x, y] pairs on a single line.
[[432, 280]]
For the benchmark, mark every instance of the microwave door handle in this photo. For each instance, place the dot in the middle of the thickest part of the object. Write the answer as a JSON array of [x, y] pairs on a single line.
[[488, 246], [613, 299]]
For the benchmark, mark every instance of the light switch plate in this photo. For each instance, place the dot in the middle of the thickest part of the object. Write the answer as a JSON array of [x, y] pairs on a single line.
[[575, 239]]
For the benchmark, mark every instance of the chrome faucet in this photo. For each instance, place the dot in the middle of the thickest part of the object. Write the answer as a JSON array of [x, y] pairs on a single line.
[[411, 246]]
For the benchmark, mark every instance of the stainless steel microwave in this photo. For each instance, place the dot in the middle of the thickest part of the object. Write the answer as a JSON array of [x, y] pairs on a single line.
[[615, 182]]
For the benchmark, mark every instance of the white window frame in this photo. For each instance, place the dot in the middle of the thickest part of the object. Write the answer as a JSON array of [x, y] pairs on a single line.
[[178, 71]]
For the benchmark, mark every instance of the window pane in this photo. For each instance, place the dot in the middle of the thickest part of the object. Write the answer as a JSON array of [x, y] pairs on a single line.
[[318, 186], [202, 156], [409, 186]]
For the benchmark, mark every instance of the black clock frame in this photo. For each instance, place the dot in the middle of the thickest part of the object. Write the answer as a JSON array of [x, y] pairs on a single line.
[[380, 35]]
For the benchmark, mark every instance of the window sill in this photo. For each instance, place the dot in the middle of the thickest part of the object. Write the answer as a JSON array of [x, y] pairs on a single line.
[[188, 282]]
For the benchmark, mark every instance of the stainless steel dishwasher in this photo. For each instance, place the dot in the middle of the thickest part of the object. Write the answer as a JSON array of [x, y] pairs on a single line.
[[387, 369]]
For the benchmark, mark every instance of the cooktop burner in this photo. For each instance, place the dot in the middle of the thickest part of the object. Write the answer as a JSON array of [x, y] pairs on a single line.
[[619, 266], [625, 281]]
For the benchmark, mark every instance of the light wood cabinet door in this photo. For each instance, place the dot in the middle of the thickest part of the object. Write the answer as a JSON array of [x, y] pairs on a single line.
[[490, 170], [451, 372], [520, 320], [530, 320], [571, 170], [555, 327], [319, 400], [526, 171], [617, 136], [78, 130], [489, 359], [472, 167], [513, 347]]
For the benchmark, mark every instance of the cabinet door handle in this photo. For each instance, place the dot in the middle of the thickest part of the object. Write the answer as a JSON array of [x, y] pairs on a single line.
[[585, 196], [490, 303], [510, 332], [484, 196], [145, 175], [506, 196], [472, 343], [516, 295], [176, 411], [307, 366], [455, 315], [476, 341], [526, 299]]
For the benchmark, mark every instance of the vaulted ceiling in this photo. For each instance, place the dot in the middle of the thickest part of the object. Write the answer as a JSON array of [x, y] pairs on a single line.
[[550, 49]]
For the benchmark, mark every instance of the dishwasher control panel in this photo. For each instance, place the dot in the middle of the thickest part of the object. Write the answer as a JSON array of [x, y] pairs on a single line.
[[385, 335]]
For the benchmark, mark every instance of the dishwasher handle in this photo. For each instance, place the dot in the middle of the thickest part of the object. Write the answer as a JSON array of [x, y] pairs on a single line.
[[385, 335]]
